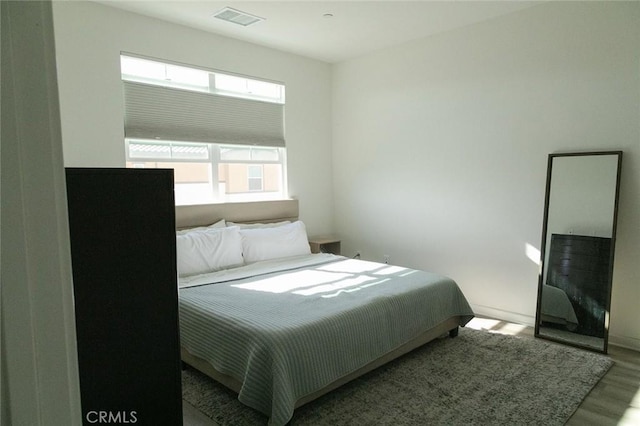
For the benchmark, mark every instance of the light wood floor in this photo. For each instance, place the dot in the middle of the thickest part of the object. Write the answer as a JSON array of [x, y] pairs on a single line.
[[615, 400], [193, 417]]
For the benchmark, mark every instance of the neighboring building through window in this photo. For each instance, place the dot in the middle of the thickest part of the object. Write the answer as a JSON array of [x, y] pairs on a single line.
[[255, 177], [209, 172]]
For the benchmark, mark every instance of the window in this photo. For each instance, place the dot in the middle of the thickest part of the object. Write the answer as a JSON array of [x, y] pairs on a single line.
[[213, 173], [146, 71], [221, 149], [170, 75]]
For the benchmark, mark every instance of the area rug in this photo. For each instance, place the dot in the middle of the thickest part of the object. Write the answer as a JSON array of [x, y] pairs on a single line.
[[477, 378]]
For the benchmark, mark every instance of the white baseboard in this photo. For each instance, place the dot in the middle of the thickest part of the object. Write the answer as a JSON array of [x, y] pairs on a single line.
[[624, 342], [500, 314]]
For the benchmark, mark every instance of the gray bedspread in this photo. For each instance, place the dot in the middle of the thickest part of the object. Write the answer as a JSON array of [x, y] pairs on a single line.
[[286, 334]]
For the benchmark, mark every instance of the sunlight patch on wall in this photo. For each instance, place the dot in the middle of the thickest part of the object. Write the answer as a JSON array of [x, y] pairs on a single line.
[[532, 253]]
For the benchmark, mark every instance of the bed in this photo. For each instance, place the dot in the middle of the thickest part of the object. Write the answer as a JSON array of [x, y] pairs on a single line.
[[282, 326], [556, 308]]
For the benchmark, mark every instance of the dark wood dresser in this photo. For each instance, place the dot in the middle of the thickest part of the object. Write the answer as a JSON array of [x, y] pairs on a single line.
[[123, 253], [580, 265]]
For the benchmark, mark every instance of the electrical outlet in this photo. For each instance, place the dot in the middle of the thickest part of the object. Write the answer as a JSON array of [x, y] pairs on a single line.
[[386, 258]]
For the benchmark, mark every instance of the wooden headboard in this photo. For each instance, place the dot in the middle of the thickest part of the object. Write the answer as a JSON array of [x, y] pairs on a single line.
[[248, 212]]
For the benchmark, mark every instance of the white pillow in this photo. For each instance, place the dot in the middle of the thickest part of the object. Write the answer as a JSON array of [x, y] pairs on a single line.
[[259, 225], [208, 250], [272, 243], [219, 224]]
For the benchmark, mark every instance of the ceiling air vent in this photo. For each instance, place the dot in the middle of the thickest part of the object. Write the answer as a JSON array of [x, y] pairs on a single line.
[[237, 17]]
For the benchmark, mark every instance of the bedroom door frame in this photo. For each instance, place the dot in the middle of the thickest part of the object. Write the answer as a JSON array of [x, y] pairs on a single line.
[[38, 358]]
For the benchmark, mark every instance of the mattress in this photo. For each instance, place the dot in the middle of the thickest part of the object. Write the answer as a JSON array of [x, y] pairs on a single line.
[[287, 328]]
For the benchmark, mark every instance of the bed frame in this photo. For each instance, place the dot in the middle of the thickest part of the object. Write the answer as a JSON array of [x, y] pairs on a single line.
[[276, 211], [248, 212]]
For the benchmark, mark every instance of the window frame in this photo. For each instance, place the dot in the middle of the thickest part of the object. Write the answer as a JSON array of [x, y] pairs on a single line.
[[214, 161], [212, 86], [254, 178], [141, 74]]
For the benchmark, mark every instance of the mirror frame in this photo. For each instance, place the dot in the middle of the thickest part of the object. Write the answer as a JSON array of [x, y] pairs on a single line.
[[543, 248]]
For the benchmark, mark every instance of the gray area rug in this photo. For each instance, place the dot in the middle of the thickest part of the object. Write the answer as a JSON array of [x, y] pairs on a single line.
[[477, 378]]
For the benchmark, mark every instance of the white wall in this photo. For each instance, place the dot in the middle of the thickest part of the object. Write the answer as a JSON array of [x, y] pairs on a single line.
[[89, 39], [440, 147]]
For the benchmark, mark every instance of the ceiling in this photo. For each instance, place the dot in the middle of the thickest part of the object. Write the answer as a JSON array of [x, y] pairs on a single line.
[[300, 27]]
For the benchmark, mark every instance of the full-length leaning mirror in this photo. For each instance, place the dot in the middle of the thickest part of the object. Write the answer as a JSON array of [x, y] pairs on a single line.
[[578, 241]]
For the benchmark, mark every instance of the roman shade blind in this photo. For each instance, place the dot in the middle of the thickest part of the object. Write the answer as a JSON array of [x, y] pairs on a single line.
[[165, 113]]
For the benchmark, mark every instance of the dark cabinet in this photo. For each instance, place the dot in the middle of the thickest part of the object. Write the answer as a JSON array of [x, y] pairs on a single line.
[[580, 266], [122, 228]]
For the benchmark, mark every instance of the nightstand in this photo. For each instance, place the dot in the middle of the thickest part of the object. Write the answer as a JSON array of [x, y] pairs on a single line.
[[325, 244]]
